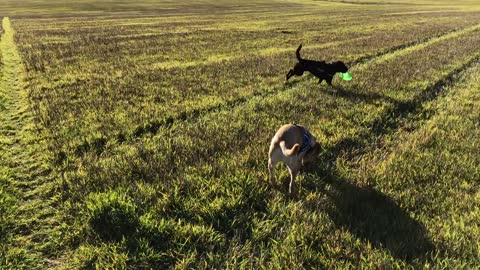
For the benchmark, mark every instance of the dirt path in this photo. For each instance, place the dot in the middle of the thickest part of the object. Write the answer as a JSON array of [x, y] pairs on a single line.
[[27, 187]]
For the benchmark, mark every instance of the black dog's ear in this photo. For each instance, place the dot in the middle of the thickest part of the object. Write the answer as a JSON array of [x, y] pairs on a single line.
[[340, 66]]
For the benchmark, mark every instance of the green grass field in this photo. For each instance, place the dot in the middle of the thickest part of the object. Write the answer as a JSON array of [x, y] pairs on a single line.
[[134, 135]]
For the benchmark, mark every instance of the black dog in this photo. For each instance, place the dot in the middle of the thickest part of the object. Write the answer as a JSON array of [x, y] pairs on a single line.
[[320, 69]]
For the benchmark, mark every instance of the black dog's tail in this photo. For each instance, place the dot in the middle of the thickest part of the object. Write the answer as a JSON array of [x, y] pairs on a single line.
[[298, 52]]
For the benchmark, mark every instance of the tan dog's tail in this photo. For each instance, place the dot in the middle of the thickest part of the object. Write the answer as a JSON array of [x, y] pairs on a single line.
[[289, 152], [297, 53]]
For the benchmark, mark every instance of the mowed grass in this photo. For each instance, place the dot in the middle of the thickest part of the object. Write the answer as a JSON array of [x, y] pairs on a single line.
[[159, 118]]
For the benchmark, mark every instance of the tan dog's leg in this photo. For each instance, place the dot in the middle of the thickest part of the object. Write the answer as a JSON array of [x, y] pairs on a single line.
[[271, 170], [293, 176]]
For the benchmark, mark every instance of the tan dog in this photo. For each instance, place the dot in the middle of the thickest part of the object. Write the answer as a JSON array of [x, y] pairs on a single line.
[[291, 144]]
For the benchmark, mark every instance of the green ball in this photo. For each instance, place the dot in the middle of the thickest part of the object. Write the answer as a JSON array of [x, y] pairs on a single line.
[[346, 76]]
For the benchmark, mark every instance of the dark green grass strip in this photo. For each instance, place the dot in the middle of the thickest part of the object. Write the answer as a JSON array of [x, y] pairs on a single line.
[[28, 220]]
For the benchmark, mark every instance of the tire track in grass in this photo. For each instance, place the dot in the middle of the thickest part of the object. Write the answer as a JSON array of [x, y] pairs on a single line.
[[394, 117], [427, 40], [214, 59], [402, 50], [152, 127], [392, 52], [30, 225]]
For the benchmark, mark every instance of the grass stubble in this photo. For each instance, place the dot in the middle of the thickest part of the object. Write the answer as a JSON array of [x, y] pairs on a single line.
[[157, 131]]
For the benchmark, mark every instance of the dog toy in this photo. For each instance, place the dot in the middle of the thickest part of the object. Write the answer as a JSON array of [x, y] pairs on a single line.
[[345, 76]]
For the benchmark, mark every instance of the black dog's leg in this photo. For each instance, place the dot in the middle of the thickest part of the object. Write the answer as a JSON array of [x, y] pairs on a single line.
[[289, 74], [329, 80]]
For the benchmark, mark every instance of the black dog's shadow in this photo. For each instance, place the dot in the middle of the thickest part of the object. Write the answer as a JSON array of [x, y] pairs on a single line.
[[342, 92], [292, 83], [356, 96], [370, 215]]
